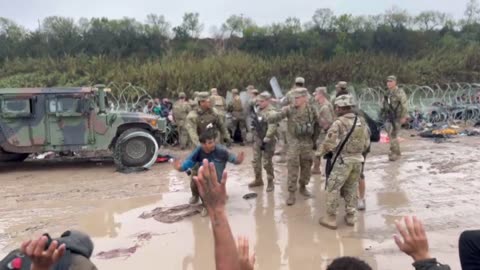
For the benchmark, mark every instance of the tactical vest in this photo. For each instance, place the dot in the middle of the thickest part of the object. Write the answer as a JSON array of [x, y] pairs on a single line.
[[206, 120], [304, 127], [180, 110], [218, 102], [237, 105], [356, 142]]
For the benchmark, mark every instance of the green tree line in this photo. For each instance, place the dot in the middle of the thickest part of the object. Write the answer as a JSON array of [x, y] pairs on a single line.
[[429, 47]]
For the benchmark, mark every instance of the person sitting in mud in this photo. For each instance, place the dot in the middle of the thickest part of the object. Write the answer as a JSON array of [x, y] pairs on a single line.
[[209, 150], [72, 251]]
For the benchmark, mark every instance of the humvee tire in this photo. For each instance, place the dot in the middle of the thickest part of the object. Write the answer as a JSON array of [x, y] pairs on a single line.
[[12, 157], [135, 148]]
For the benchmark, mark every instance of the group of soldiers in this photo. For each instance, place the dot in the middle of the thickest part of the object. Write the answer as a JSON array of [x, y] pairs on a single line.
[[312, 128]]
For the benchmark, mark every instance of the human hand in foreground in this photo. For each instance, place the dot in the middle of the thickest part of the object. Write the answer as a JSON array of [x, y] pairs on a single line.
[[42, 259], [214, 194], [247, 262], [415, 242]]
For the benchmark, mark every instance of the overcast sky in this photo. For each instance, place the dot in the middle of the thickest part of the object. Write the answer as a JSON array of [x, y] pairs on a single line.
[[212, 12]]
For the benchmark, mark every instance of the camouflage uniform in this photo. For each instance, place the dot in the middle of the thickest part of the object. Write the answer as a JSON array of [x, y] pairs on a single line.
[[302, 134], [343, 180], [264, 144], [199, 120], [220, 105], [180, 110], [326, 116], [282, 131], [393, 110], [235, 107], [194, 102]]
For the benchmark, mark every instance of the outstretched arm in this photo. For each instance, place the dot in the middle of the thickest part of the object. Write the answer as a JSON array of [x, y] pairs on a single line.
[[214, 196]]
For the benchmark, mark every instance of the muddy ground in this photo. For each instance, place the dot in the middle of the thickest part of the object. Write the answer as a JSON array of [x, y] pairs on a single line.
[[435, 181]]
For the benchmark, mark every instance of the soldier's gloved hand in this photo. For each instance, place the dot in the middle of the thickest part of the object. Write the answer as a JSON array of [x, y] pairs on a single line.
[[328, 155], [266, 140]]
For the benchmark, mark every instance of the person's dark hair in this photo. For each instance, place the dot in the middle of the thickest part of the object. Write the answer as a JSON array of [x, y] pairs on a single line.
[[207, 135], [299, 84], [348, 263]]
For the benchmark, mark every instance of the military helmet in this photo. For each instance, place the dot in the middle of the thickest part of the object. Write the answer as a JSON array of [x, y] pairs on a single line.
[[392, 78], [250, 87], [235, 91], [342, 85], [264, 96], [202, 96], [300, 80], [344, 101], [299, 92], [321, 91], [255, 91], [181, 95]]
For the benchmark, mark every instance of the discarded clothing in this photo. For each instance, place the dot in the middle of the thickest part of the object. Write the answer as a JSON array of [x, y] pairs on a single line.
[[119, 252], [173, 214], [163, 158]]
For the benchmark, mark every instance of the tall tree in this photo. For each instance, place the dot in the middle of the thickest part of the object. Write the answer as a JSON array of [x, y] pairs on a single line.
[[323, 18]]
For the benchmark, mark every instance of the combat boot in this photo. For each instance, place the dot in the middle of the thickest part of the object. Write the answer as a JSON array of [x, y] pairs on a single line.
[[291, 198], [393, 157], [270, 186], [255, 183], [361, 205], [316, 166], [329, 221], [193, 200], [350, 219], [304, 191]]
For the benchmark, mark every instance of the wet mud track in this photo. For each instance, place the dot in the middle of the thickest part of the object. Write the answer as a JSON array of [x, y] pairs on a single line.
[[437, 182]]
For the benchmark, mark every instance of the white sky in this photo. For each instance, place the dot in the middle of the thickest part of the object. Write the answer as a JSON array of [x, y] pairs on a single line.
[[212, 12]]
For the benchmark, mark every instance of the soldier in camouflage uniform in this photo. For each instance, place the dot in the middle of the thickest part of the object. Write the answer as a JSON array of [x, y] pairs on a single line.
[[235, 107], [193, 101], [264, 141], [326, 116], [220, 104], [285, 101], [180, 110], [394, 110], [204, 117], [302, 134], [344, 176]]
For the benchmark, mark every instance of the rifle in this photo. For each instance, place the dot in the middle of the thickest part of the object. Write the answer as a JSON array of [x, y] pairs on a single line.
[[330, 164], [391, 114], [260, 129]]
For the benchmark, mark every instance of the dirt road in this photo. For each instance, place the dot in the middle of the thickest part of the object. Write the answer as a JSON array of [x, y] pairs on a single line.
[[435, 181]]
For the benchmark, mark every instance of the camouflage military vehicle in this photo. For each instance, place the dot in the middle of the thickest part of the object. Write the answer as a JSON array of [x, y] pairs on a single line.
[[35, 120]]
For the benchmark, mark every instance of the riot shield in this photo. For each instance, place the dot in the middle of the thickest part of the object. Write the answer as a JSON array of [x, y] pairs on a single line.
[[229, 97], [277, 90]]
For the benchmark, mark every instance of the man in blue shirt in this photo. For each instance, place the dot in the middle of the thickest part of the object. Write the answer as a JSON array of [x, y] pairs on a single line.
[[217, 154]]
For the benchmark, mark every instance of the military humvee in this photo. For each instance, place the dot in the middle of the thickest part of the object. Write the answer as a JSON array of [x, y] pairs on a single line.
[[34, 120]]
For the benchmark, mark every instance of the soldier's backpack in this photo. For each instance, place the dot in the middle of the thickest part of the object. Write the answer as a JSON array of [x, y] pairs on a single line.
[[77, 243], [373, 126]]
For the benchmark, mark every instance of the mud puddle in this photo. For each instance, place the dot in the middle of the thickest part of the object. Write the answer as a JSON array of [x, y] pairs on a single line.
[[433, 181]]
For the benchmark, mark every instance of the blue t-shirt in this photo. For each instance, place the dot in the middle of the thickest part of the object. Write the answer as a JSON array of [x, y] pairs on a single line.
[[219, 156]]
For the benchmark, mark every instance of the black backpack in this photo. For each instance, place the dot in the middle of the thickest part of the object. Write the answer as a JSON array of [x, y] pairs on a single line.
[[76, 243], [374, 127]]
